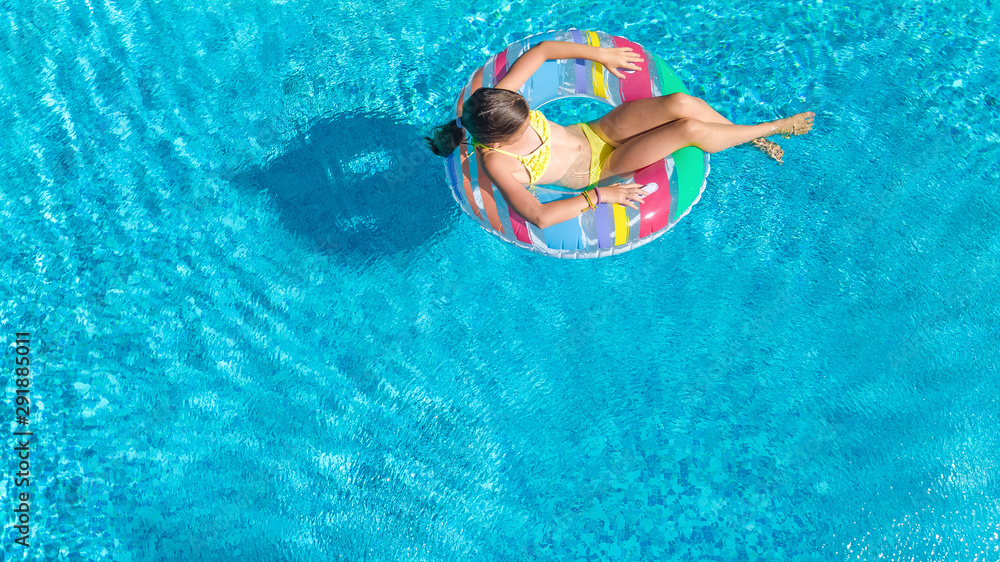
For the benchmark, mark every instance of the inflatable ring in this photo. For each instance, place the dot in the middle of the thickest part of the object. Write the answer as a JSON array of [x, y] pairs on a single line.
[[609, 229]]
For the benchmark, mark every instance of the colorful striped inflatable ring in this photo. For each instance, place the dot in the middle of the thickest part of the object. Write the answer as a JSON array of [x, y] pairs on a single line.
[[609, 229]]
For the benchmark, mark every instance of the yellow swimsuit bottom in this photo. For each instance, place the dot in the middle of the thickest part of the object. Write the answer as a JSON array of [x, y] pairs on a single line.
[[600, 151]]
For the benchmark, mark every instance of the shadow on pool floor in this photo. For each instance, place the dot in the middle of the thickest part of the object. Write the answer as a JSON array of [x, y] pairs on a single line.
[[357, 185]]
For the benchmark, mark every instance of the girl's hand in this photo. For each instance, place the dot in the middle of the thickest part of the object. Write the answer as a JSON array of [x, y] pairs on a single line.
[[614, 58], [627, 194]]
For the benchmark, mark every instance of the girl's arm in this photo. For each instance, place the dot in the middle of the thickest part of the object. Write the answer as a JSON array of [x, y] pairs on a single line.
[[530, 61], [544, 215]]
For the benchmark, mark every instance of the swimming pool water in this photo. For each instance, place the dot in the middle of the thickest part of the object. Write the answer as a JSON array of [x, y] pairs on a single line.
[[263, 331]]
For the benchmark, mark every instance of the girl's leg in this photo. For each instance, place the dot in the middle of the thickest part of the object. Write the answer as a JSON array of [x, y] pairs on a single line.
[[644, 149], [637, 117], [634, 118], [710, 115]]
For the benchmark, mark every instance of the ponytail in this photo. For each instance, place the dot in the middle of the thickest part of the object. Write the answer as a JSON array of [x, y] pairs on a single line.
[[445, 138]]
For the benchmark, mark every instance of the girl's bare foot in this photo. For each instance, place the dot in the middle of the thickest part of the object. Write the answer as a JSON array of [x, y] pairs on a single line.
[[798, 124], [770, 148]]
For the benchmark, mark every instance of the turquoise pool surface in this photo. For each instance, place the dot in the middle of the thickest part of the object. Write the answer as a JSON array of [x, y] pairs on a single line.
[[260, 328]]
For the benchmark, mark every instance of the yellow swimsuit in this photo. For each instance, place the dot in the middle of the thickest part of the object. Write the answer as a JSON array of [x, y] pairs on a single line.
[[538, 160], [600, 151]]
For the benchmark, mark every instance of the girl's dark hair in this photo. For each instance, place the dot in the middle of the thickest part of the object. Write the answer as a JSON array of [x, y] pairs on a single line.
[[489, 115]]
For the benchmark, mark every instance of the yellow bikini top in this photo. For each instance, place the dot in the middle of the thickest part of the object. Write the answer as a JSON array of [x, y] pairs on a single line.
[[538, 160]]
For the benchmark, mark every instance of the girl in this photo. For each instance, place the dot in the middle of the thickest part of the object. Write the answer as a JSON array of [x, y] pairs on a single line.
[[518, 147]]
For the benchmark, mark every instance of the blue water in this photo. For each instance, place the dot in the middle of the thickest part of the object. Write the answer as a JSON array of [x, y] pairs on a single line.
[[261, 329]]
